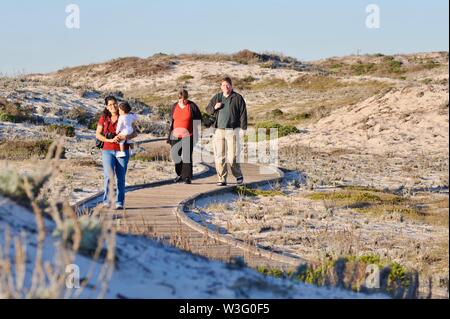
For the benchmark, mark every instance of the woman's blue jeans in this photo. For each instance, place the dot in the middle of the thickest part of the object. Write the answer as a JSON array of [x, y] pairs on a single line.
[[118, 167]]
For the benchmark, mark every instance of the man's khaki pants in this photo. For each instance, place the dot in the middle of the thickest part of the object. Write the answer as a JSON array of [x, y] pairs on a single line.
[[226, 151]]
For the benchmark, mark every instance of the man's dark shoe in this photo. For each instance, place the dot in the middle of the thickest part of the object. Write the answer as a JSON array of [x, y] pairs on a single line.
[[187, 181], [240, 180], [177, 179], [221, 184]]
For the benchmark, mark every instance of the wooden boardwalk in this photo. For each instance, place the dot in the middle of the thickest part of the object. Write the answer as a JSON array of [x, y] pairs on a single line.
[[158, 212]]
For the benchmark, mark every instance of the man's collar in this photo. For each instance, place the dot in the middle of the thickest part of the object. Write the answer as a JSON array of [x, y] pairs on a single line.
[[231, 94]]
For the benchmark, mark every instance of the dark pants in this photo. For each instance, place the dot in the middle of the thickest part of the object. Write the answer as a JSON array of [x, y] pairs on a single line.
[[182, 156]]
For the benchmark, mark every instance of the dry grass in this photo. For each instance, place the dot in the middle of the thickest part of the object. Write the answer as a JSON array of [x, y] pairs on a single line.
[[17, 150], [324, 227], [153, 154], [377, 203], [14, 112], [382, 65], [307, 99], [128, 67], [247, 57], [85, 236]]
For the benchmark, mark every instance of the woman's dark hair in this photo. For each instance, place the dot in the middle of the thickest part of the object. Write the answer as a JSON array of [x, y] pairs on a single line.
[[183, 94], [110, 98], [125, 106], [106, 112]]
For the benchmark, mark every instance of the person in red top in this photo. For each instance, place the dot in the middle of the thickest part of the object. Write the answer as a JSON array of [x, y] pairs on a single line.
[[184, 119], [106, 132]]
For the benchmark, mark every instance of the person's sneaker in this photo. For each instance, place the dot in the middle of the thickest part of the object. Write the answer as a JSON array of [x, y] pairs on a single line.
[[240, 180], [121, 154], [187, 181], [119, 207], [221, 184], [177, 179]]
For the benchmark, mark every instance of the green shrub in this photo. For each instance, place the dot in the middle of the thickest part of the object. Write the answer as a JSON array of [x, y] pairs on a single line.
[[10, 118], [65, 130], [14, 112], [395, 66], [363, 68], [349, 272], [185, 78], [429, 65], [274, 272], [79, 114], [91, 230], [276, 113], [283, 130], [244, 83], [12, 185], [317, 83], [251, 192], [92, 125], [303, 116], [23, 149]]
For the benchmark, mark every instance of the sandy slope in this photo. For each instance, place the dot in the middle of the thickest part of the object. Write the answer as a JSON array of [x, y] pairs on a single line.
[[404, 120]]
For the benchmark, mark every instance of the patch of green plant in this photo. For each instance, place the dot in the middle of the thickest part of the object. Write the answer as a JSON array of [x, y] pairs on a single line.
[[276, 113], [14, 112], [185, 78], [79, 114], [91, 229], [244, 83], [63, 129], [430, 64], [349, 272], [427, 81], [23, 149], [398, 274], [12, 185], [337, 66], [372, 203], [283, 130], [354, 196], [363, 68], [370, 259], [273, 272], [395, 66], [252, 192], [302, 117], [318, 83], [92, 125]]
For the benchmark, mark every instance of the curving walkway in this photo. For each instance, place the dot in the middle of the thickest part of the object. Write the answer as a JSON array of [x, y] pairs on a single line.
[[158, 210]]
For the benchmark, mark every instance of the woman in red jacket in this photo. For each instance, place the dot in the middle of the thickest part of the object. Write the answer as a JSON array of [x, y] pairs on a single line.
[[184, 120], [106, 132]]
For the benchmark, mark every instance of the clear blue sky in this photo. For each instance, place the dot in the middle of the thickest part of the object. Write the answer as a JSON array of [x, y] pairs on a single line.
[[34, 38]]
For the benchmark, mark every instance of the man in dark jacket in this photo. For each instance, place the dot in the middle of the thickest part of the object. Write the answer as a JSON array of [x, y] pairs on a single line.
[[185, 119], [230, 121]]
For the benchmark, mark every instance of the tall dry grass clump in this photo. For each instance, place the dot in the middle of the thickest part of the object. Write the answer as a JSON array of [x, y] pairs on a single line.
[[60, 231]]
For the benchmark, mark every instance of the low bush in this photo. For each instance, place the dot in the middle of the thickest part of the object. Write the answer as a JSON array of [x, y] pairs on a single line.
[[18, 150], [64, 130]]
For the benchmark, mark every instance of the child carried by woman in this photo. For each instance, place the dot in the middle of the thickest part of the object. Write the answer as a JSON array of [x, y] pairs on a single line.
[[125, 127]]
